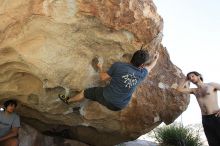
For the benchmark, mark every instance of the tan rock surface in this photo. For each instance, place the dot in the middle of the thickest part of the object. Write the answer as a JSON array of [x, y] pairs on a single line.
[[28, 136], [46, 48]]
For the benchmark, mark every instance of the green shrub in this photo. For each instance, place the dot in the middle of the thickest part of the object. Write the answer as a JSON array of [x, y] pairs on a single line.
[[176, 135]]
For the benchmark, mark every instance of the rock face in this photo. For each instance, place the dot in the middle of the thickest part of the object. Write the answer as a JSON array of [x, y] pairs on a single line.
[[28, 136], [46, 48]]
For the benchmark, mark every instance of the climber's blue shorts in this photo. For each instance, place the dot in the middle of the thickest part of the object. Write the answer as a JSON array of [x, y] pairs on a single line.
[[96, 94]]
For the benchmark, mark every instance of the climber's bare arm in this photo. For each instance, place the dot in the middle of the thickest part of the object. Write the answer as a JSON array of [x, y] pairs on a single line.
[[102, 74], [150, 66], [215, 85], [11, 134], [184, 87]]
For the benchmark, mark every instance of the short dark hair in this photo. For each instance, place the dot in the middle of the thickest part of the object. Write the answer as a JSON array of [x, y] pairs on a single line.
[[139, 57], [10, 102], [195, 73]]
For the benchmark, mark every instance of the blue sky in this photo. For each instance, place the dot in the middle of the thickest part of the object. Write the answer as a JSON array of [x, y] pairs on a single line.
[[192, 37]]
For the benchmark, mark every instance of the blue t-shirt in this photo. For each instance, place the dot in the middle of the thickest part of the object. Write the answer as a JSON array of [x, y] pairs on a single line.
[[124, 79]]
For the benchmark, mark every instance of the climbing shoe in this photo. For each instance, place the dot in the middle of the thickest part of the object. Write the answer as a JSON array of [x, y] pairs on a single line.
[[64, 98]]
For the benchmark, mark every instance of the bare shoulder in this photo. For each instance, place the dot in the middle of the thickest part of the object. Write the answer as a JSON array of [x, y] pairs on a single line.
[[214, 85]]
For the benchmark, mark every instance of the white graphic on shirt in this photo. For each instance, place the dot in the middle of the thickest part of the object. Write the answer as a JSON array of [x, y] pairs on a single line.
[[129, 80]]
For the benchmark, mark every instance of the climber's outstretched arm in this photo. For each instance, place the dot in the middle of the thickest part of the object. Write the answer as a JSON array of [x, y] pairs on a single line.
[[104, 76], [150, 66]]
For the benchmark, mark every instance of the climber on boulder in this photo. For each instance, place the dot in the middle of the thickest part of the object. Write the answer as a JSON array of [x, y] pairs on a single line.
[[124, 78]]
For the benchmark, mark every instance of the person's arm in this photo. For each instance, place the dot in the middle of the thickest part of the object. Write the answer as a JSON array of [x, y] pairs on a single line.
[[102, 74], [216, 86], [150, 66], [12, 133], [184, 87]]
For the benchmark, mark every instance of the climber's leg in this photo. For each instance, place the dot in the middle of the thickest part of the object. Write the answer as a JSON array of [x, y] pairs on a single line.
[[96, 94]]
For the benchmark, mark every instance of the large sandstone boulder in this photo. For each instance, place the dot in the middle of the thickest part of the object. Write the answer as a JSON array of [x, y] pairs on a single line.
[[46, 48]]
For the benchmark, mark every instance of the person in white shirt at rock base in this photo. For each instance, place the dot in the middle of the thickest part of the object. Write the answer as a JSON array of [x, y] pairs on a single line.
[[9, 124], [206, 95]]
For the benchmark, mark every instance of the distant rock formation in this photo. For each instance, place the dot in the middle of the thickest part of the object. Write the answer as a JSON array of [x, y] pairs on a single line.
[[46, 48]]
